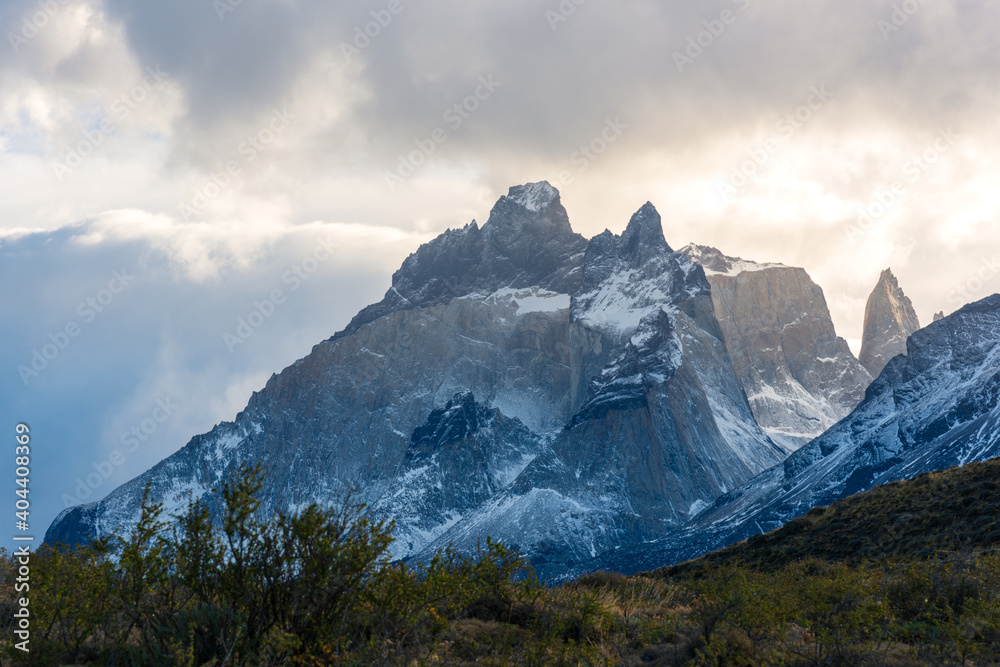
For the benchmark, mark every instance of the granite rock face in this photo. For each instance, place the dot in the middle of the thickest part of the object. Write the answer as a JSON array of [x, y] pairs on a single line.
[[799, 376], [516, 381], [889, 321]]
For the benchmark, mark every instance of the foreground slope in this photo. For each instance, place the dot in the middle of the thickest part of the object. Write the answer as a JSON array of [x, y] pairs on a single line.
[[956, 510], [517, 381], [799, 376]]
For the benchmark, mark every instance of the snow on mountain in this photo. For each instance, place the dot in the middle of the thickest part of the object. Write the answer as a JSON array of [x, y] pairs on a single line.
[[534, 196], [716, 263], [457, 460]]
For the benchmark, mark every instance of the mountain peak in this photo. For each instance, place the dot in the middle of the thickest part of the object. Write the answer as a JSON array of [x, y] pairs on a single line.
[[535, 197], [889, 321], [532, 209], [644, 232], [458, 418], [527, 242], [888, 278]]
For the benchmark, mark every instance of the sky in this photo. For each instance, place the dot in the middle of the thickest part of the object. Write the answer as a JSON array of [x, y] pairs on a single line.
[[176, 173]]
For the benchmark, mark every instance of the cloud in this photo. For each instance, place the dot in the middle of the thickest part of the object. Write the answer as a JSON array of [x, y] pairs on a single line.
[[116, 315]]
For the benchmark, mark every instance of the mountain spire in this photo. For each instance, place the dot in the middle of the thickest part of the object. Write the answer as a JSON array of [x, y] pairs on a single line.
[[889, 321]]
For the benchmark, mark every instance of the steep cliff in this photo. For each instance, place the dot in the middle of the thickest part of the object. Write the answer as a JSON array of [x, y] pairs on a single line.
[[799, 376]]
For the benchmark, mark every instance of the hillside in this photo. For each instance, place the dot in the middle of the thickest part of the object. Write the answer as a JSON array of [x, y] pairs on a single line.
[[319, 588], [956, 510]]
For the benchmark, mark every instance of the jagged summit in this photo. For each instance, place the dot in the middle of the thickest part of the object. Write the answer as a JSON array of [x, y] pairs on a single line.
[[889, 320], [627, 277], [534, 197], [714, 260], [527, 241], [643, 237], [456, 420]]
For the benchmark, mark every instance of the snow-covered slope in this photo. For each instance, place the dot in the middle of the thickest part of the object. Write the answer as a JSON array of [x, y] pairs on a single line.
[[799, 376]]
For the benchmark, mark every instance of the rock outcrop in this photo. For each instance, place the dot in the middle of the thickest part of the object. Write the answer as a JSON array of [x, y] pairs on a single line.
[[889, 321]]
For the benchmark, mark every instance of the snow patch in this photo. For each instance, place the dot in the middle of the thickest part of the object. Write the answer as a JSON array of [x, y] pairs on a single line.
[[533, 196], [531, 300]]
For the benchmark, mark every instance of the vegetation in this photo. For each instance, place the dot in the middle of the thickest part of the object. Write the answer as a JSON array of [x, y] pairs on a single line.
[[317, 588], [956, 510]]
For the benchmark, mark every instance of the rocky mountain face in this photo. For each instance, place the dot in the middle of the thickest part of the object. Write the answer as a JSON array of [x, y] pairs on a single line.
[[799, 376], [517, 381], [935, 407], [889, 321]]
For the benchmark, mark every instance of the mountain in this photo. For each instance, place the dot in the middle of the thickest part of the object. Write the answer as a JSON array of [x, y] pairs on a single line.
[[518, 381], [799, 376], [935, 407], [889, 321]]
